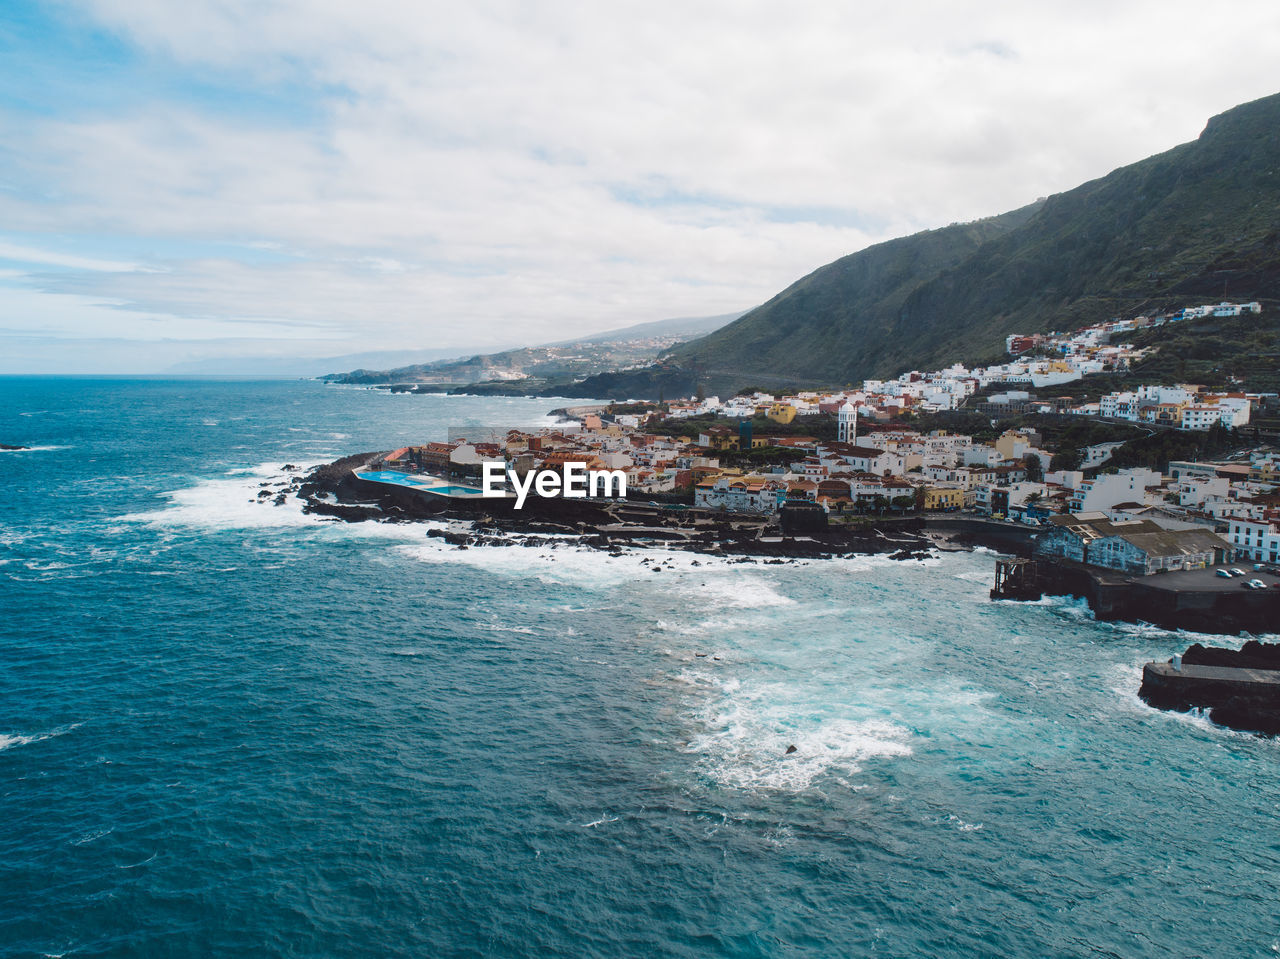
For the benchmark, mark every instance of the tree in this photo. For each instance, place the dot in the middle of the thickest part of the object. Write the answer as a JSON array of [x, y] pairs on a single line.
[[1066, 459], [1035, 471]]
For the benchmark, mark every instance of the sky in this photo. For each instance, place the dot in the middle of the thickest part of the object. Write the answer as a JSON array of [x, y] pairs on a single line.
[[248, 179]]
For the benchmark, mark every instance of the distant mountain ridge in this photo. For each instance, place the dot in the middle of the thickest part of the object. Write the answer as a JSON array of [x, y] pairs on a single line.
[[560, 362], [1197, 223]]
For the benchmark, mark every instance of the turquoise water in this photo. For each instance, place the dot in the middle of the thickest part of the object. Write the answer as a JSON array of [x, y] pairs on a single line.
[[227, 728], [395, 478], [427, 484]]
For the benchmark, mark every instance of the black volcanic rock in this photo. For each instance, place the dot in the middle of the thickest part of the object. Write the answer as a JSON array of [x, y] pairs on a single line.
[[1252, 655]]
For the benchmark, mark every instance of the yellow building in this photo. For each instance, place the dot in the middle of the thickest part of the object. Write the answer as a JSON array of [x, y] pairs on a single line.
[[718, 438], [943, 497], [781, 412], [1010, 443]]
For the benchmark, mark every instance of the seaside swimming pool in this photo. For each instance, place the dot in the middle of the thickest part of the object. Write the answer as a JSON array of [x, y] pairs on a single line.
[[429, 484], [456, 490]]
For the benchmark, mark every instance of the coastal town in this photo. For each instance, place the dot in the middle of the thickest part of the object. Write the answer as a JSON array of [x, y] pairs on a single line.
[[868, 455], [1156, 502]]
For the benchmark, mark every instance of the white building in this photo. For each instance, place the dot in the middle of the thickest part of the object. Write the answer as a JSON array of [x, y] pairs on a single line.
[[1106, 491], [1257, 539], [847, 424], [744, 494]]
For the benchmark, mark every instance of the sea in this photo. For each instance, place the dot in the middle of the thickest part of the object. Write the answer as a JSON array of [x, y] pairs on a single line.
[[228, 728]]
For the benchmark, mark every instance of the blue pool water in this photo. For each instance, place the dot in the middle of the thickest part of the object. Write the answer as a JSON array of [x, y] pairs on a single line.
[[228, 728], [457, 490], [397, 479], [424, 483]]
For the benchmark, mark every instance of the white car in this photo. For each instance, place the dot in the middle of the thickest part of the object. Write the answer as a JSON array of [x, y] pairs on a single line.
[[1225, 574], [1256, 584], [1236, 572]]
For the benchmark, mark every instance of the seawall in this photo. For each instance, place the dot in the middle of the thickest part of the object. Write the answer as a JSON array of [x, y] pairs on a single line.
[[1193, 600], [1241, 698], [1012, 538]]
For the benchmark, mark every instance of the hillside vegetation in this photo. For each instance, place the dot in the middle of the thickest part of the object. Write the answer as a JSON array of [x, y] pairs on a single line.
[[1198, 223]]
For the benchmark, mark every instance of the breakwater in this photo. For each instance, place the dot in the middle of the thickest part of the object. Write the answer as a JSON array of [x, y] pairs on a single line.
[[1239, 688]]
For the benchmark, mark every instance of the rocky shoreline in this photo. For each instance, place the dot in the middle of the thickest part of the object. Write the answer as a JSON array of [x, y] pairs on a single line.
[[332, 490]]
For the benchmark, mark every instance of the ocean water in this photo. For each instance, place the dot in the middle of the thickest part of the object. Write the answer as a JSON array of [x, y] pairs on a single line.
[[229, 729]]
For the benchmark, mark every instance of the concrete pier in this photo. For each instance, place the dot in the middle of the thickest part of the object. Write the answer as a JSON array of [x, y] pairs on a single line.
[[1240, 698]]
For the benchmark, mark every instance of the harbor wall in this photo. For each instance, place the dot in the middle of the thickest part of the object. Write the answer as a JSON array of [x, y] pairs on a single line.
[[1150, 599]]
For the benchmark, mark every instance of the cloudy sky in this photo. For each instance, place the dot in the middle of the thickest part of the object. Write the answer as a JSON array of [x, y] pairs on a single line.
[[240, 178]]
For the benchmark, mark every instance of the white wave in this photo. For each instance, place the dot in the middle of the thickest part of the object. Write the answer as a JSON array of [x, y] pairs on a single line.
[[746, 592], [223, 504], [567, 564], [231, 502], [503, 628], [35, 566], [37, 449], [599, 822], [748, 750], [92, 836], [862, 563], [13, 740], [957, 823]]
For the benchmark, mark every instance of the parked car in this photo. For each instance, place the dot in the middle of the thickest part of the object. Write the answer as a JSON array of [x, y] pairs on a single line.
[[1224, 574], [1256, 584], [1236, 572]]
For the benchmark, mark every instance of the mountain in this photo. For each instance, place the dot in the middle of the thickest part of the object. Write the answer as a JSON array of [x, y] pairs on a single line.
[[1196, 224], [300, 366], [683, 328], [552, 363]]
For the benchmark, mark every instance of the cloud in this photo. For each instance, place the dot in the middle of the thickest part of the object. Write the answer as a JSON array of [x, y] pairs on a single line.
[[430, 174], [32, 255]]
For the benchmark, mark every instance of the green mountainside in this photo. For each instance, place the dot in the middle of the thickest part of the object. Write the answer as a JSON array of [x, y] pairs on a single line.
[[1196, 224]]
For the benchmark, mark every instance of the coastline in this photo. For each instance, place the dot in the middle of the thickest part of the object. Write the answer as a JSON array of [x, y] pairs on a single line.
[[334, 490]]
